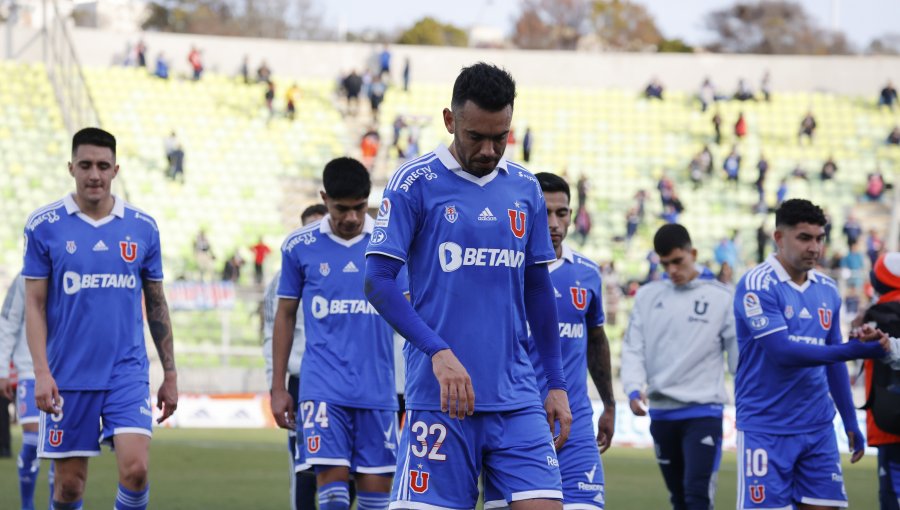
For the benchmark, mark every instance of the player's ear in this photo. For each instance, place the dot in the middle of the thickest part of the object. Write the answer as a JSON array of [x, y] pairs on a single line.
[[449, 121], [71, 169], [324, 197]]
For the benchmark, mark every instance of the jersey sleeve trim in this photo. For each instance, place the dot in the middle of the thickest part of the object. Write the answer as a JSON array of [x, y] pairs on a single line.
[[767, 333], [282, 296], [30, 277], [374, 252], [548, 261]]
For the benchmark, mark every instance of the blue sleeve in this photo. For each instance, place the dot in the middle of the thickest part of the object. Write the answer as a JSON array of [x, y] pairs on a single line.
[[538, 248], [152, 269], [839, 386], [290, 285], [759, 309], [540, 307], [396, 223], [36, 262], [595, 316], [783, 351], [384, 292]]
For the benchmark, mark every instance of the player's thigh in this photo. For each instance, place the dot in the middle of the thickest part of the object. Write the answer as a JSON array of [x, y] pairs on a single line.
[[127, 409], [327, 433], [73, 431], [438, 461], [375, 443], [520, 462], [582, 473], [818, 477], [765, 468], [26, 407]]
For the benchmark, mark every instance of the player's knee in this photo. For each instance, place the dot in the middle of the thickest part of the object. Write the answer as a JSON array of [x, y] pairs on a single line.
[[134, 474], [69, 488]]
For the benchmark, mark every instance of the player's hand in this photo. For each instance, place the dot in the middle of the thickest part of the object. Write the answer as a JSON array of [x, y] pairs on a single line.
[[639, 405], [167, 396], [457, 394], [606, 427], [46, 394], [6, 388], [857, 445], [557, 407], [283, 408], [866, 333]]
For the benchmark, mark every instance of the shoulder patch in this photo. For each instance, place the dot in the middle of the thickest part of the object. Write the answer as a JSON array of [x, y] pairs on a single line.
[[752, 306]]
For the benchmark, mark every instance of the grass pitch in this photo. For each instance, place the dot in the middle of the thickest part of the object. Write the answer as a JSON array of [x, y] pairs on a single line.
[[247, 469]]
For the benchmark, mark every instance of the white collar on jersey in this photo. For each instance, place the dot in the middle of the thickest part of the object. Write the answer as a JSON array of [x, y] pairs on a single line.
[[325, 228], [783, 275], [567, 256], [447, 159], [118, 210]]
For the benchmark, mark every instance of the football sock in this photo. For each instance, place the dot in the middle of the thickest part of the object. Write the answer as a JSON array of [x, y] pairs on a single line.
[[132, 500], [372, 500], [334, 496], [29, 468]]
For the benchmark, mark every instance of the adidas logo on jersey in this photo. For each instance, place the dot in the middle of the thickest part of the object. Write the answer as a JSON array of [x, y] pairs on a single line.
[[100, 246], [487, 215], [351, 268], [804, 314]]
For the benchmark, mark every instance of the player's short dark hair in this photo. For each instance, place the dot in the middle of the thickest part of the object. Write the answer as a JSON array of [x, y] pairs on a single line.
[[488, 86], [671, 237], [94, 136], [346, 178], [551, 183], [313, 210], [797, 210]]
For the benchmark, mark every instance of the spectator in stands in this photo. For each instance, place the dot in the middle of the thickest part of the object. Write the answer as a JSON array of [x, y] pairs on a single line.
[[231, 272], [828, 227], [640, 199], [765, 87], [260, 252], [799, 172], [376, 96], [743, 92], [263, 72], [582, 189], [706, 161], [829, 169], [352, 86], [140, 51], [162, 67], [717, 126], [398, 127], [726, 274], [763, 242], [245, 69], [807, 127], [368, 146], [527, 144], [888, 96], [707, 94], [894, 136], [291, 98], [203, 254], [740, 127], [632, 222], [666, 189], [732, 165], [175, 157], [781, 194], [874, 246], [582, 223], [406, 75], [669, 214], [270, 98], [196, 62], [852, 266], [384, 62], [874, 185], [654, 89], [762, 168], [695, 171], [726, 251], [852, 230]]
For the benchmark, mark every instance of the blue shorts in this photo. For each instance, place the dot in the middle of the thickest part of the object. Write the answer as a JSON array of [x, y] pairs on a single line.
[[440, 459], [776, 471], [26, 407], [365, 440], [581, 468], [87, 415]]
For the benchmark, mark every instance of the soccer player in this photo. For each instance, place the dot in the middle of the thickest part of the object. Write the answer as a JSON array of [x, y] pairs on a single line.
[[303, 478], [791, 373], [472, 228], [672, 356], [585, 348], [14, 347], [347, 409], [88, 259]]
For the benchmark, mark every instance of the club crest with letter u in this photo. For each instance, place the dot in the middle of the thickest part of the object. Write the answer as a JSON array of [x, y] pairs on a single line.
[[517, 222], [579, 297], [312, 444], [128, 250]]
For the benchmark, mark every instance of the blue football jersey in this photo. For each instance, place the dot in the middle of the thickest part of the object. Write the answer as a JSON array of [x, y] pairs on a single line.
[[349, 358], [95, 326], [579, 304], [466, 241], [769, 397]]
